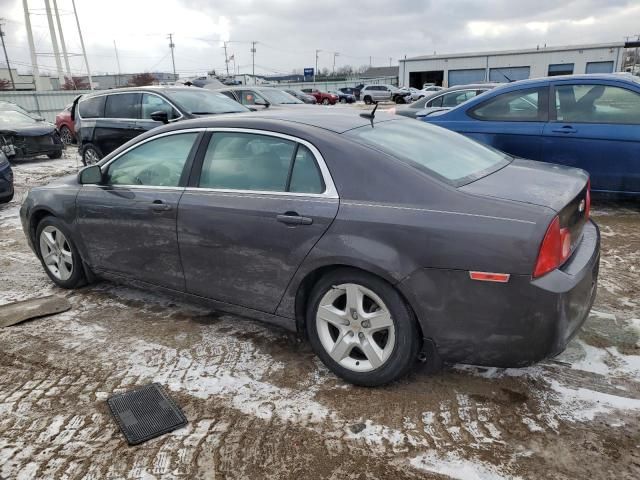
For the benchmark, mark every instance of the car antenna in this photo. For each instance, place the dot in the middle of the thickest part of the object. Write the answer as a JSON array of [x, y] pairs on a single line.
[[371, 115]]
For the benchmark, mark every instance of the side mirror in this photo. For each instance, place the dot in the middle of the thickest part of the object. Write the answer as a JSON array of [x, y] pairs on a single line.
[[160, 116], [90, 175], [262, 102]]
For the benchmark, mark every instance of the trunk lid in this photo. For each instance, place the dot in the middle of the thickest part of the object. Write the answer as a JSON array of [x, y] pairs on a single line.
[[562, 189]]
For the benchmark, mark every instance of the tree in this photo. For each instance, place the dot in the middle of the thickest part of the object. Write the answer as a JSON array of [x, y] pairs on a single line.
[[75, 83], [141, 80], [5, 84]]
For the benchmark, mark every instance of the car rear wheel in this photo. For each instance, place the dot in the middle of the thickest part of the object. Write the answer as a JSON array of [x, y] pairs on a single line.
[[58, 254], [91, 155], [66, 136], [343, 100], [361, 328], [367, 100]]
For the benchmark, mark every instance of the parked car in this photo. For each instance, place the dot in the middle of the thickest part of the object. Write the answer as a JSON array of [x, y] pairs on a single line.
[[591, 121], [344, 97], [65, 125], [21, 136], [322, 97], [107, 119], [352, 91], [430, 87], [377, 93], [6, 179], [379, 238], [443, 99], [12, 106], [300, 95], [252, 96]]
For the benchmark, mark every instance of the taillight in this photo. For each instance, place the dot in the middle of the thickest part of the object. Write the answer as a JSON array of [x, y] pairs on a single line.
[[587, 201], [555, 249]]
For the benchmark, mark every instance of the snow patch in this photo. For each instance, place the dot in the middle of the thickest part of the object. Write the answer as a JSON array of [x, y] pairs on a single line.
[[458, 468]]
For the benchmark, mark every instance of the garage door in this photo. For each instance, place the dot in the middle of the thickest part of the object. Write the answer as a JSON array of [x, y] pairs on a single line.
[[508, 74], [599, 67], [464, 77]]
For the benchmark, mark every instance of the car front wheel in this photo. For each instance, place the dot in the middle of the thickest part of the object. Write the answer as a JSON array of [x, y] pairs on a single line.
[[361, 328], [58, 254], [91, 155], [367, 100]]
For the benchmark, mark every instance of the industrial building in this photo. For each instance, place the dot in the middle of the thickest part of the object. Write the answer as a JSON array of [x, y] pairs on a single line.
[[511, 65]]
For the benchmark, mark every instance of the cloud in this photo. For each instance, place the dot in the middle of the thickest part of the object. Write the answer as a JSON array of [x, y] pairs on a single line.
[[290, 31]]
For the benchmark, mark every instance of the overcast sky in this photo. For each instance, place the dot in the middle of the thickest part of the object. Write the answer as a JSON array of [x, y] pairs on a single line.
[[289, 31]]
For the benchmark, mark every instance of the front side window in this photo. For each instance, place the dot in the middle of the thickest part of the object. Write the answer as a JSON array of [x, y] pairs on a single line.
[[158, 162], [246, 161], [249, 97], [122, 105], [447, 155], [597, 104], [153, 103], [456, 98], [528, 105]]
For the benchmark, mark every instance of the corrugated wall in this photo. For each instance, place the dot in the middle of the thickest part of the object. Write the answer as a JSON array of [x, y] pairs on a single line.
[[45, 104]]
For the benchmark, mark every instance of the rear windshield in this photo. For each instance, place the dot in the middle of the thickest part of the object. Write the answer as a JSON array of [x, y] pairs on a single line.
[[449, 156], [198, 101]]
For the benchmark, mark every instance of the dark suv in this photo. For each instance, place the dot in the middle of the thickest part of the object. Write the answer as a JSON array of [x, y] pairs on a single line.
[[105, 120]]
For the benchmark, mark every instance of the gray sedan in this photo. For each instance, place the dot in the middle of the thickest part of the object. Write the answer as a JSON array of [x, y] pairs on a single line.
[[382, 240]]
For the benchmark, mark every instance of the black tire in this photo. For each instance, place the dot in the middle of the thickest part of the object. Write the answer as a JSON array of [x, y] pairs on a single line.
[[400, 100], [86, 152], [368, 100], [407, 334], [77, 278], [343, 100], [325, 101], [54, 156]]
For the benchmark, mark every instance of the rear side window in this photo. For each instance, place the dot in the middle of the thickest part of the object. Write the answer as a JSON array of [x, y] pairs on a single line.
[[92, 107], [122, 105], [597, 104], [446, 155], [528, 105], [245, 161]]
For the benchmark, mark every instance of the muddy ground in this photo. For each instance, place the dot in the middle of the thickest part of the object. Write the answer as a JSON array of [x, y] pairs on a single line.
[[260, 405]]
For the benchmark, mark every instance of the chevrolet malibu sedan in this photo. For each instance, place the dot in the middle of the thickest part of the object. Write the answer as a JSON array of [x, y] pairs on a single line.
[[380, 239], [586, 121]]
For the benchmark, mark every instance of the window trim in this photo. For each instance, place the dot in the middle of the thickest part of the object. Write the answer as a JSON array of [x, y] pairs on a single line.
[[130, 119], [330, 188], [542, 102], [553, 110]]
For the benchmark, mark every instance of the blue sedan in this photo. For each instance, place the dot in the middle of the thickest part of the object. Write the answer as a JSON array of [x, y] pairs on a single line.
[[586, 121]]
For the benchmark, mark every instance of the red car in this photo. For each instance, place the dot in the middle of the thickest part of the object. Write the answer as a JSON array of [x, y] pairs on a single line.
[[65, 126], [322, 97]]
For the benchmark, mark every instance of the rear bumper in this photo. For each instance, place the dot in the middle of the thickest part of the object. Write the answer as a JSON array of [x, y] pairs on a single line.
[[506, 324]]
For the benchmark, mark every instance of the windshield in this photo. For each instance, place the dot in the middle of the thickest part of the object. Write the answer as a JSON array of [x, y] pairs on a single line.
[[9, 118], [204, 102], [278, 97], [450, 156]]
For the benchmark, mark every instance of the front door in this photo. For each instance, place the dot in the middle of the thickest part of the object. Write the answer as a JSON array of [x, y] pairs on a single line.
[[260, 204], [128, 223], [597, 127]]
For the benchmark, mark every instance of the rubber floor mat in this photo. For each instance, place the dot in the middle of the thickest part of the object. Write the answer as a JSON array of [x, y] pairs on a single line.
[[145, 413]]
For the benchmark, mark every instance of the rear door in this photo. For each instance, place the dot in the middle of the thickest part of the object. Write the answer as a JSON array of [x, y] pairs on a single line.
[[512, 121], [257, 205], [596, 126], [128, 222], [121, 112]]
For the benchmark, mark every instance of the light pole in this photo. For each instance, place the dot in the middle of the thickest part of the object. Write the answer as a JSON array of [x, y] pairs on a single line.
[[316, 69], [253, 60], [335, 54]]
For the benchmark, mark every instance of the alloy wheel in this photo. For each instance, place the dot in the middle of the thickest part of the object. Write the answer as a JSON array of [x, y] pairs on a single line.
[[56, 253], [355, 327], [65, 136], [91, 157]]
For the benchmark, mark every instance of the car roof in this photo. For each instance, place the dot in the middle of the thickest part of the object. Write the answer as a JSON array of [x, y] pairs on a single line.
[[249, 87], [337, 121], [148, 88], [584, 76]]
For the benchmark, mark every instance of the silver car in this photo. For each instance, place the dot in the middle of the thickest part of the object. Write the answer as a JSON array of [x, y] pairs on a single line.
[[377, 93]]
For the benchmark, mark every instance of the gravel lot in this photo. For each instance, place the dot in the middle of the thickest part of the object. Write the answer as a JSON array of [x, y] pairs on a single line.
[[260, 405]]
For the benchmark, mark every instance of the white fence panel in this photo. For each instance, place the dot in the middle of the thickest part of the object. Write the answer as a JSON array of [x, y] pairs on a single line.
[[45, 104]]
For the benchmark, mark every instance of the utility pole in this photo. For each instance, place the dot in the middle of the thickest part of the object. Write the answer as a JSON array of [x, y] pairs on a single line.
[[226, 59], [84, 52], [369, 61], [115, 47], [390, 60], [173, 60], [6, 57], [34, 59], [335, 54], [253, 60], [63, 45], [54, 42], [316, 69]]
